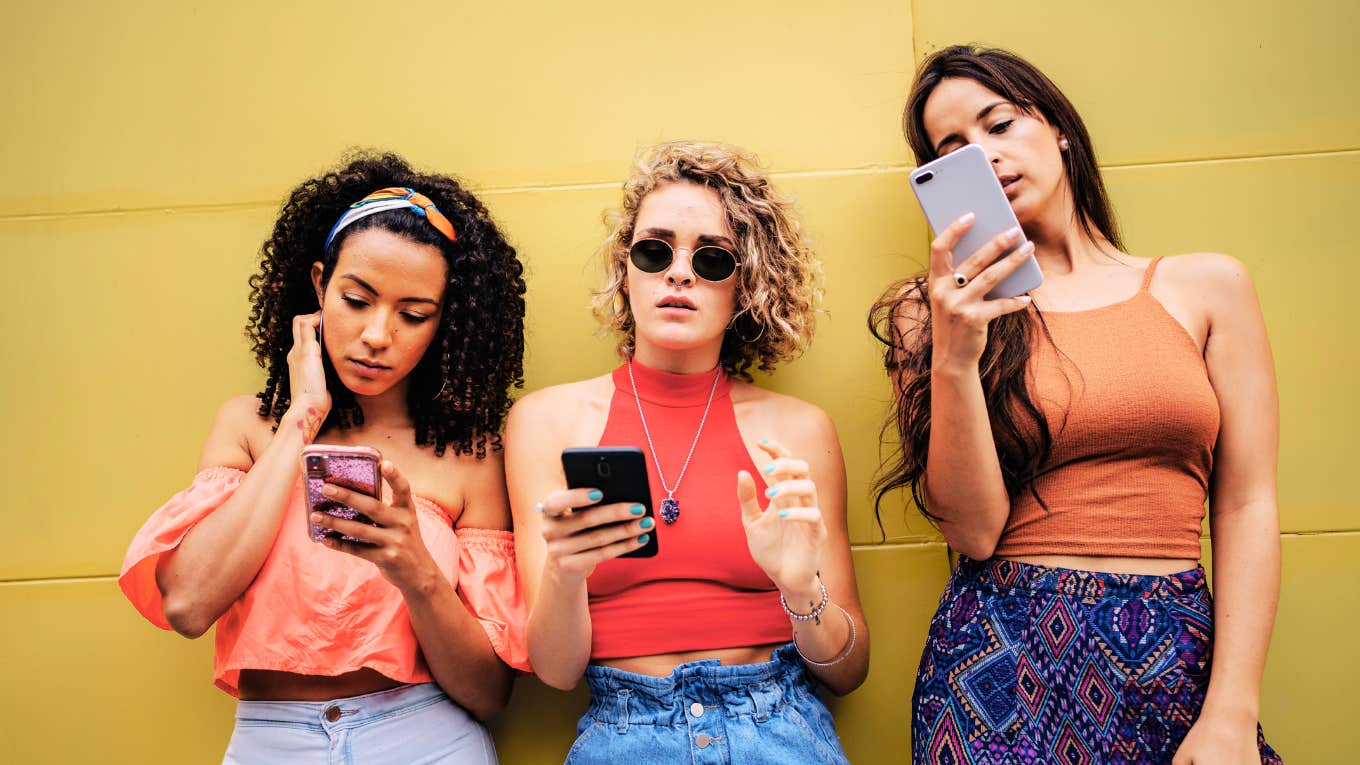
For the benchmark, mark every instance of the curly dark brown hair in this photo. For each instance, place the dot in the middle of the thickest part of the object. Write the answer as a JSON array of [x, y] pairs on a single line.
[[460, 390]]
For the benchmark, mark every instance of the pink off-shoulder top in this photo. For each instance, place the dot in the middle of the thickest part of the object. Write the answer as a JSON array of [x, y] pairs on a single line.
[[316, 611]]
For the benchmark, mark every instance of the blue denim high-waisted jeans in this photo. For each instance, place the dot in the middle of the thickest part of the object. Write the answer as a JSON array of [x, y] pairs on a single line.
[[410, 725], [706, 713]]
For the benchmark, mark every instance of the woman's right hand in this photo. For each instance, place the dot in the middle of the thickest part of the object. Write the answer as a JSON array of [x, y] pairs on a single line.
[[306, 374], [960, 315], [581, 536]]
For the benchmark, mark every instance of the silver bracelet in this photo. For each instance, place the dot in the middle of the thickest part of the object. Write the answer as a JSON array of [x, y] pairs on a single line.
[[840, 657], [816, 614]]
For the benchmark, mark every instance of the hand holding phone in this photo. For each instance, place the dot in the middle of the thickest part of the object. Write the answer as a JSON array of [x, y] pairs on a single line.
[[963, 182], [619, 474], [353, 467]]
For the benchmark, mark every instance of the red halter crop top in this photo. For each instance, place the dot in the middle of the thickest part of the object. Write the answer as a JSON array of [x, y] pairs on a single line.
[[702, 590]]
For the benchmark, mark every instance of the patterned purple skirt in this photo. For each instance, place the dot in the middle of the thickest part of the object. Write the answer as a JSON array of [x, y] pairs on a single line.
[[1027, 664]]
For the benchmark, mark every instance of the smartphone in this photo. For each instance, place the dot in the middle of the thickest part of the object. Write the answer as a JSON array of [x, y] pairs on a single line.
[[961, 182], [620, 473], [353, 467]]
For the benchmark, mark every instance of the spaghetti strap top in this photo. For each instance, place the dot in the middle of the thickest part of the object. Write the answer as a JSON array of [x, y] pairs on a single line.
[[1134, 421]]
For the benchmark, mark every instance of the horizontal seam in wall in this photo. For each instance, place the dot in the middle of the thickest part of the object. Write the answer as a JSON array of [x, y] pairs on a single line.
[[854, 548], [602, 185]]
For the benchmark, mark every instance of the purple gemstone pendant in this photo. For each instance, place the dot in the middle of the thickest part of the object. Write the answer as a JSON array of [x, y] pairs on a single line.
[[670, 510]]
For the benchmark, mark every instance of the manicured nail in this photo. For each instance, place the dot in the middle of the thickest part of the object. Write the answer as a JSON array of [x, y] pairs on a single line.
[[642, 540], [316, 518], [783, 513], [637, 510], [773, 490], [769, 468], [1012, 234], [327, 490], [764, 440], [647, 523], [1025, 248], [1024, 298], [967, 218], [595, 495]]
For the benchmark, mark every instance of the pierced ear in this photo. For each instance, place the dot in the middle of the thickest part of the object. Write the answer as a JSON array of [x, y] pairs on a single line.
[[317, 268], [1063, 144]]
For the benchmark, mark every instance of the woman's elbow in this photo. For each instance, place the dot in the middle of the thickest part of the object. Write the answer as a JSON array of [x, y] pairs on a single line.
[[974, 545], [186, 616]]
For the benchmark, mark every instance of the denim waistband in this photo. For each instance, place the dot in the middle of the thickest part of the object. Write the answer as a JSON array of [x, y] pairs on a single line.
[[1012, 575], [622, 698], [348, 712]]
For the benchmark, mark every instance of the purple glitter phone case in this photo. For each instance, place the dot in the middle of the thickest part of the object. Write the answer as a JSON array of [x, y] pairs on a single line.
[[353, 467]]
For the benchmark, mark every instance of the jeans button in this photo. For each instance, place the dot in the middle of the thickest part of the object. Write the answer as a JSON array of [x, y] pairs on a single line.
[[333, 713], [696, 709], [703, 740]]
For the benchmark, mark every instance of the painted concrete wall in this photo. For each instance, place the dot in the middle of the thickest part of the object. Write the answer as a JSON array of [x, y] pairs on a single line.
[[147, 147]]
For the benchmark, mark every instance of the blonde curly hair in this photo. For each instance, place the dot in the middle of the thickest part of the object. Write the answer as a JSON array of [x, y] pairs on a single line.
[[779, 287]]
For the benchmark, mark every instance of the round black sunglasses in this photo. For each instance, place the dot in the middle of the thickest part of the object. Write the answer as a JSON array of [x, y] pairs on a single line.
[[710, 262]]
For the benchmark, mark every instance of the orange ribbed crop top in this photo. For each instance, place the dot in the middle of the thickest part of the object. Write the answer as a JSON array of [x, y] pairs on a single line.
[[702, 590], [1134, 422]]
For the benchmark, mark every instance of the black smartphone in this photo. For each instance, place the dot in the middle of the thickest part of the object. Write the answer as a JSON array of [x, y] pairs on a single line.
[[620, 473]]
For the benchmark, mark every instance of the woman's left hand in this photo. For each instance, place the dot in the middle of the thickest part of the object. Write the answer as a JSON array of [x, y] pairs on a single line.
[[1214, 739], [786, 539], [394, 545]]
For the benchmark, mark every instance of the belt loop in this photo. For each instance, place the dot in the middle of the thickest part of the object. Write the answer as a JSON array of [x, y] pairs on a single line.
[[622, 724], [760, 699]]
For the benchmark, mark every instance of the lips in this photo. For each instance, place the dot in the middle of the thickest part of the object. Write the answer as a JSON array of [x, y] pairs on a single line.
[[1008, 179], [676, 302], [370, 365]]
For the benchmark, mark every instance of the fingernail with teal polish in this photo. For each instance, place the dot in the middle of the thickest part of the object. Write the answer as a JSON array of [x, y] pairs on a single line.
[[647, 523], [642, 540], [773, 490], [637, 509], [783, 513], [769, 468], [764, 440], [595, 495]]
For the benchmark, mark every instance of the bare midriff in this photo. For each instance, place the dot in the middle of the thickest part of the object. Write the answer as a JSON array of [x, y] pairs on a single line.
[[1108, 565], [661, 665], [271, 685]]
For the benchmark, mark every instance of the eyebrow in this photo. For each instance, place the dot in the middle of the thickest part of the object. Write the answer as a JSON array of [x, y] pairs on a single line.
[[702, 239], [369, 287], [981, 115]]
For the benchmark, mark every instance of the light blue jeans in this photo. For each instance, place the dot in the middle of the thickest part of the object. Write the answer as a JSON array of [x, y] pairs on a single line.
[[410, 725], [707, 714]]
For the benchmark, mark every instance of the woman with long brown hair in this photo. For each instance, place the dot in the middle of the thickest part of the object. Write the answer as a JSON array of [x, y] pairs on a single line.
[[1065, 442]]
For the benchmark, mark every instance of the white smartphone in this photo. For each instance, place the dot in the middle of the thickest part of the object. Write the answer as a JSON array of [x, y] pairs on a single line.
[[961, 182]]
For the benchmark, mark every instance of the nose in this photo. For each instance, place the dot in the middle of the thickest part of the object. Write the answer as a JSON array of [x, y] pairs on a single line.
[[377, 332], [681, 270]]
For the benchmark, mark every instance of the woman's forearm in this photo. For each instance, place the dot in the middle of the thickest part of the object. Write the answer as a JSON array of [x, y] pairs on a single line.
[[220, 556], [1246, 563], [963, 474], [559, 631], [456, 648]]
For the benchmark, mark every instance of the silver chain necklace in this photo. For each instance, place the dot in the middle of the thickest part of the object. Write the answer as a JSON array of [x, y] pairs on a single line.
[[670, 506]]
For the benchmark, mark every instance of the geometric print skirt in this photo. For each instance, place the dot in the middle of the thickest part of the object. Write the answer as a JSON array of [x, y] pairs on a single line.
[[1030, 665]]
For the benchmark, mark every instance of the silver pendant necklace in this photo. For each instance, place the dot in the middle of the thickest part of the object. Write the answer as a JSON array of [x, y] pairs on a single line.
[[670, 506]]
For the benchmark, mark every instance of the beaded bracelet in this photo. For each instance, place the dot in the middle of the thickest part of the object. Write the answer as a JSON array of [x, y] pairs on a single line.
[[816, 614], [840, 657]]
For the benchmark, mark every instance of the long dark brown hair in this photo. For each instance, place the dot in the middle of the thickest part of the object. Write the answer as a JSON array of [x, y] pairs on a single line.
[[1021, 432]]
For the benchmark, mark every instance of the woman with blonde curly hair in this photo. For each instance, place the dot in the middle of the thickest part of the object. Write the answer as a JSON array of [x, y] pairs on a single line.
[[710, 650]]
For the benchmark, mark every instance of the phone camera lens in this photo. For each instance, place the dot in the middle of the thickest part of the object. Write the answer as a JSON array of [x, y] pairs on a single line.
[[924, 178], [603, 469]]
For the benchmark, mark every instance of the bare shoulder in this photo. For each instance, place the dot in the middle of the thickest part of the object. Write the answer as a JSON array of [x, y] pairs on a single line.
[[556, 411], [238, 434], [1212, 274], [785, 416]]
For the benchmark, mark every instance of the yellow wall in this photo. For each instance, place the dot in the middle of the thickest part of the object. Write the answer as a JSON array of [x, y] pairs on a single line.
[[146, 147]]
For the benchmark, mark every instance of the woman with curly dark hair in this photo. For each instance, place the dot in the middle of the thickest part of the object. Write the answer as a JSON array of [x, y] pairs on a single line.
[[383, 642], [709, 651]]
